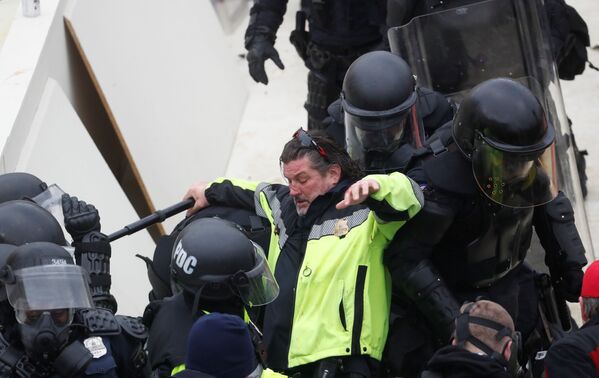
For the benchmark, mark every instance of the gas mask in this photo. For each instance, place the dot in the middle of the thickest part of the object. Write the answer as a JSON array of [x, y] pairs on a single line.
[[44, 333]]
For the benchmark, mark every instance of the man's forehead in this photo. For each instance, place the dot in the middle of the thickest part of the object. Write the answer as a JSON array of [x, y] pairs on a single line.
[[295, 167]]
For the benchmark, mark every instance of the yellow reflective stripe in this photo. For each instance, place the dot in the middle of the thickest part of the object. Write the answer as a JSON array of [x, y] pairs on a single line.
[[267, 373], [177, 369], [243, 184]]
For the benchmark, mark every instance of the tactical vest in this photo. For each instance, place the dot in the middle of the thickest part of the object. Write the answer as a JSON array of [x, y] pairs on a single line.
[[485, 240]]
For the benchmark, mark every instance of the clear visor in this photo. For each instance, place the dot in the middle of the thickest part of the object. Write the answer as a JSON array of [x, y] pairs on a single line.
[[514, 180], [51, 200], [379, 135], [49, 287], [257, 287]]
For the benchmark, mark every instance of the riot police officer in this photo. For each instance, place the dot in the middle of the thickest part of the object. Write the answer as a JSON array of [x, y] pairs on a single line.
[[383, 116], [255, 227], [215, 267], [58, 331], [484, 193], [339, 32]]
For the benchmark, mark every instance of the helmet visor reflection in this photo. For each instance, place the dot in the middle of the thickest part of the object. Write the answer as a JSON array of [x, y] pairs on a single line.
[[512, 179]]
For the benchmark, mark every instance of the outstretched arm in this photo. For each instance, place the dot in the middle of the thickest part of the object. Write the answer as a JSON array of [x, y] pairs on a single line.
[[224, 192]]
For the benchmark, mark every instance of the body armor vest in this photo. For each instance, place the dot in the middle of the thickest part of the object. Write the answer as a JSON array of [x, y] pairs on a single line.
[[485, 240]]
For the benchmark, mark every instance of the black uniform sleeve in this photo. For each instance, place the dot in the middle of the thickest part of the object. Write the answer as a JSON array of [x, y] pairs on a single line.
[[265, 18], [564, 251], [408, 259], [226, 193], [565, 359]]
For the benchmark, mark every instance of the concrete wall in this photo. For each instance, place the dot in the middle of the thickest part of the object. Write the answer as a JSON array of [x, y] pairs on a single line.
[[118, 132]]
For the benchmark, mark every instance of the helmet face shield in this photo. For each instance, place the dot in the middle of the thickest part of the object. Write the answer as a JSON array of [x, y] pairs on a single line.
[[49, 287], [255, 287], [514, 179], [367, 135]]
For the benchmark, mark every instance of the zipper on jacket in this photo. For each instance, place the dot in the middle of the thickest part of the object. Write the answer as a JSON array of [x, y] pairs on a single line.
[[299, 272]]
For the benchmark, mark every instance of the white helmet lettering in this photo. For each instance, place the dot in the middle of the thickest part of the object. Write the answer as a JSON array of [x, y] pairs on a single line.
[[183, 261]]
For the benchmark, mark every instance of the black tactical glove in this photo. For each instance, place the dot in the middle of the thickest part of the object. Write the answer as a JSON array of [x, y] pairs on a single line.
[[261, 49], [80, 218], [569, 283]]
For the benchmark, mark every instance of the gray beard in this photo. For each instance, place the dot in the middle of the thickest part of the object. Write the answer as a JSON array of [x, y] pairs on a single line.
[[301, 212]]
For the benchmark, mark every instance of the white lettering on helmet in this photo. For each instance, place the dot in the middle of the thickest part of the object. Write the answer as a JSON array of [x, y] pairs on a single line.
[[183, 261], [58, 261]]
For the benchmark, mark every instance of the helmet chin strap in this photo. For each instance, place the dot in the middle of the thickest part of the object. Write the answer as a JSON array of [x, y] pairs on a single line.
[[196, 302]]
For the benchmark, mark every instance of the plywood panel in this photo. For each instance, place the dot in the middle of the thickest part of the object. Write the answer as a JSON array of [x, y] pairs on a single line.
[[59, 150], [168, 83]]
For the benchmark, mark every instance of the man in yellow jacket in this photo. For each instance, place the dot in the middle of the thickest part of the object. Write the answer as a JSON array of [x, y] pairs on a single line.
[[330, 228]]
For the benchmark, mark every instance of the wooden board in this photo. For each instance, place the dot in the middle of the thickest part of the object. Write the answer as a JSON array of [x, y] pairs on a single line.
[[59, 150], [169, 85]]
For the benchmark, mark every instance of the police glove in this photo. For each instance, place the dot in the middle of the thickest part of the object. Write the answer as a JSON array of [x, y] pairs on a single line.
[[80, 218], [569, 284], [259, 51]]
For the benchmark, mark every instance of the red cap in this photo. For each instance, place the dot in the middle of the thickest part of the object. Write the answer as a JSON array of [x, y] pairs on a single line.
[[590, 281]]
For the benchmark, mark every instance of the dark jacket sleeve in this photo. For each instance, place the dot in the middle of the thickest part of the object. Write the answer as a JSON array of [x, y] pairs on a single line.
[[408, 259], [565, 359], [232, 193], [554, 224], [265, 18]]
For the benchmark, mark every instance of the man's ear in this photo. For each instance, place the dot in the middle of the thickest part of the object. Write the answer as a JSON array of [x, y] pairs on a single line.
[[335, 172], [507, 350], [582, 310]]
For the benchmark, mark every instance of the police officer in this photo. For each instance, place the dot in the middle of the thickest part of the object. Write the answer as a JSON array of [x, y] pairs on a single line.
[[81, 220], [483, 193], [382, 116], [566, 35], [339, 32], [215, 267], [255, 227], [56, 336]]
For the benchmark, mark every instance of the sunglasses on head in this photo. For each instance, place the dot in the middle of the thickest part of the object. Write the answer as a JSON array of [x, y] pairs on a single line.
[[307, 141]]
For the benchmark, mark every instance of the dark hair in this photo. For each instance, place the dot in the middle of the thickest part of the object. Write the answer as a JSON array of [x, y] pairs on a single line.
[[591, 307], [294, 150]]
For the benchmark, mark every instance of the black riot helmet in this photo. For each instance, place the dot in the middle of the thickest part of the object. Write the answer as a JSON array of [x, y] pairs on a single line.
[[5, 251], [501, 127], [23, 221], [214, 260], [378, 100], [45, 287], [19, 185]]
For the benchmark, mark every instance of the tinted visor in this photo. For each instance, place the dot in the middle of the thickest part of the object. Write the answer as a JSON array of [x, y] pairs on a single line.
[[49, 287], [367, 134], [514, 179], [256, 287]]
